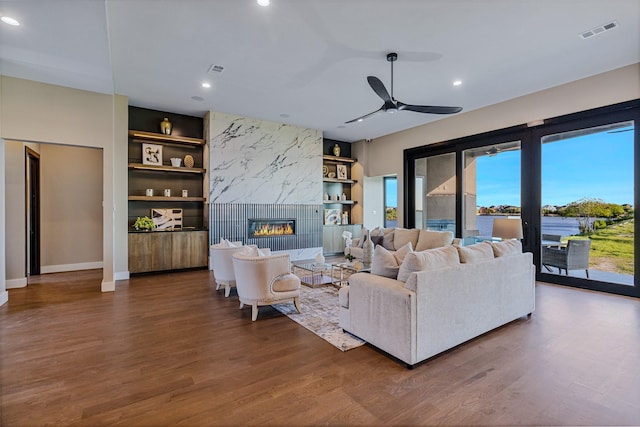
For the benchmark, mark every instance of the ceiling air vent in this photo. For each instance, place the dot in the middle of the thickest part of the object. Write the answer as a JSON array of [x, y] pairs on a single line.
[[599, 30], [216, 68]]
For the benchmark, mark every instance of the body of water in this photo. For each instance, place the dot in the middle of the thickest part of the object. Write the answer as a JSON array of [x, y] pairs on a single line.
[[550, 225]]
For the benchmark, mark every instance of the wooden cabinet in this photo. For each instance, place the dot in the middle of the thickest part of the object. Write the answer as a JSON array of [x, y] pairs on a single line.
[[167, 250]]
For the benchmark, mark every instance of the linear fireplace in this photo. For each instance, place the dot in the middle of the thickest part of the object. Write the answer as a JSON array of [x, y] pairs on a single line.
[[267, 227], [240, 222]]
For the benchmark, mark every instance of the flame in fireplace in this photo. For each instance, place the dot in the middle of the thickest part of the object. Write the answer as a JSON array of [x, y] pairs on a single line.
[[273, 230]]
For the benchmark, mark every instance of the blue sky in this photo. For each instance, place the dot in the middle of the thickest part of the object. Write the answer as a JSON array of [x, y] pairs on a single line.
[[594, 166]]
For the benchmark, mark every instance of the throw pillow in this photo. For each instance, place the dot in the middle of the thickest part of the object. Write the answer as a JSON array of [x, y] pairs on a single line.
[[475, 253], [402, 236], [428, 260], [429, 239], [384, 263], [507, 247], [401, 253], [387, 240], [252, 250]]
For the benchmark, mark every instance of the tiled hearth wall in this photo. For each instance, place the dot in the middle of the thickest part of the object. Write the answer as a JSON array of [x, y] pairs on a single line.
[[256, 165]]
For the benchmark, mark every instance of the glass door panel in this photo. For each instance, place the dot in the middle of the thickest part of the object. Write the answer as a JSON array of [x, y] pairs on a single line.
[[587, 224], [491, 188], [435, 192]]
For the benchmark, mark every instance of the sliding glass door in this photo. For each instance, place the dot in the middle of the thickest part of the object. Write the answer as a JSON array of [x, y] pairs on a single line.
[[587, 226], [570, 180]]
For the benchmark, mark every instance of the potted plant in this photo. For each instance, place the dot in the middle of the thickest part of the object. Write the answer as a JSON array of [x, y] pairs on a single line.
[[145, 223]]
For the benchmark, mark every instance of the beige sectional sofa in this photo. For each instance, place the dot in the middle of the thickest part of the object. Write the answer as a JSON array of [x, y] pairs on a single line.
[[395, 238], [441, 298]]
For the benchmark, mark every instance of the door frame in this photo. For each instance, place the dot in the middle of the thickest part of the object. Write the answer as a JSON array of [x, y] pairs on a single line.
[[530, 138], [32, 212]]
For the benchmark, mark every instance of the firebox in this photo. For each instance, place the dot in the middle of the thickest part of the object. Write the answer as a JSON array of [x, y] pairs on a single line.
[[267, 227]]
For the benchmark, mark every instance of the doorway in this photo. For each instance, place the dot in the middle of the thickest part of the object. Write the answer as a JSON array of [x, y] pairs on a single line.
[[32, 168]]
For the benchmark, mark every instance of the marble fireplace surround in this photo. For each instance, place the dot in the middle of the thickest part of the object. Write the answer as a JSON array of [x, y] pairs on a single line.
[[262, 169]]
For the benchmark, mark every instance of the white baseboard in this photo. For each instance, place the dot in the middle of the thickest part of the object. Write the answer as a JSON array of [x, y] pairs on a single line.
[[4, 297], [108, 286], [70, 267], [16, 283], [121, 275]]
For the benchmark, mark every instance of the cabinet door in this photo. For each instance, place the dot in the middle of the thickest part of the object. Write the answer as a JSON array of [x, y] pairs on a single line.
[[149, 251], [190, 249]]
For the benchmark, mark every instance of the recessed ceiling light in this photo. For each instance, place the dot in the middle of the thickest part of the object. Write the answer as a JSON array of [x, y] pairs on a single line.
[[9, 20], [359, 120], [457, 82], [263, 2], [206, 85]]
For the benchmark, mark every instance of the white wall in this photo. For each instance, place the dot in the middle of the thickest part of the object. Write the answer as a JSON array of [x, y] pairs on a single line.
[[38, 112], [71, 208], [385, 154]]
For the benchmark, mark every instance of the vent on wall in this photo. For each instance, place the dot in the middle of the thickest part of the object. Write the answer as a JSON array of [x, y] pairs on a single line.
[[215, 68], [599, 30]]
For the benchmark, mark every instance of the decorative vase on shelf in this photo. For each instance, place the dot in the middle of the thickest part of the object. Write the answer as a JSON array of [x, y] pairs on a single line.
[[367, 248], [165, 126], [336, 150]]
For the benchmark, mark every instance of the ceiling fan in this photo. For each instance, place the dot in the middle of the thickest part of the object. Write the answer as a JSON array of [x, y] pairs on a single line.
[[391, 105]]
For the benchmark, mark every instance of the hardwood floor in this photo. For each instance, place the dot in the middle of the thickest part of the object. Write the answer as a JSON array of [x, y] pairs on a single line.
[[170, 350]]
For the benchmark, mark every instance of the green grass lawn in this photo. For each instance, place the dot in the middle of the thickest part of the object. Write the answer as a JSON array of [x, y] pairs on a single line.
[[612, 248]]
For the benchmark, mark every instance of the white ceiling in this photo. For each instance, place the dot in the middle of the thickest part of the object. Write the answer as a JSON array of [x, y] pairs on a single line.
[[305, 62]]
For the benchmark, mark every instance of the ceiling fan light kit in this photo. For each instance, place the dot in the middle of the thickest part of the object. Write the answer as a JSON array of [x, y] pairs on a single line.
[[392, 105]]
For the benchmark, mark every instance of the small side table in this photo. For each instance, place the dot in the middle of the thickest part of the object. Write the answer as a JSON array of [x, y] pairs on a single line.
[[312, 274], [347, 268]]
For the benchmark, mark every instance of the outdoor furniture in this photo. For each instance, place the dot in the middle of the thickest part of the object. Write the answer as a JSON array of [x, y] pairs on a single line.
[[575, 256], [551, 239]]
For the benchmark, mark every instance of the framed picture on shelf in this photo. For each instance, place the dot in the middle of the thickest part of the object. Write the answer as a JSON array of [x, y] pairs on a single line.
[[152, 154], [342, 171], [332, 216], [167, 219]]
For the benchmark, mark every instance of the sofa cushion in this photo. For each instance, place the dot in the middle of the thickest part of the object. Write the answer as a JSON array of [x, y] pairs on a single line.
[[402, 236], [507, 247], [252, 250], [343, 297], [286, 282], [384, 263], [428, 260], [429, 239], [475, 253], [387, 240]]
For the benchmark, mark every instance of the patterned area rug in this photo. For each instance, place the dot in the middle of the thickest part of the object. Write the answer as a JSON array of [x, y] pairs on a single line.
[[320, 316]]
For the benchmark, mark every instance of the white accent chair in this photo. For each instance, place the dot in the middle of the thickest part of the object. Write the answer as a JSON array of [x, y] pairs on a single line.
[[265, 280], [222, 261]]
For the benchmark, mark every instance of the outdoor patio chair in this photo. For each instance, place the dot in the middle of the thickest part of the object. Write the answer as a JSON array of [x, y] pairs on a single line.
[[575, 256]]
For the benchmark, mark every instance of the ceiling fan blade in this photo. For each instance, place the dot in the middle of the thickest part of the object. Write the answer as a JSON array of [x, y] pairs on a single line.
[[379, 89], [429, 109], [359, 119]]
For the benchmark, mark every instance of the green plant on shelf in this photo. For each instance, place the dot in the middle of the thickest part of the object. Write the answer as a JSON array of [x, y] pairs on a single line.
[[349, 257], [144, 223]]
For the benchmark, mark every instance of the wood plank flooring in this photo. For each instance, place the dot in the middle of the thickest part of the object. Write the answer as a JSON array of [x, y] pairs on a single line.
[[170, 350]]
